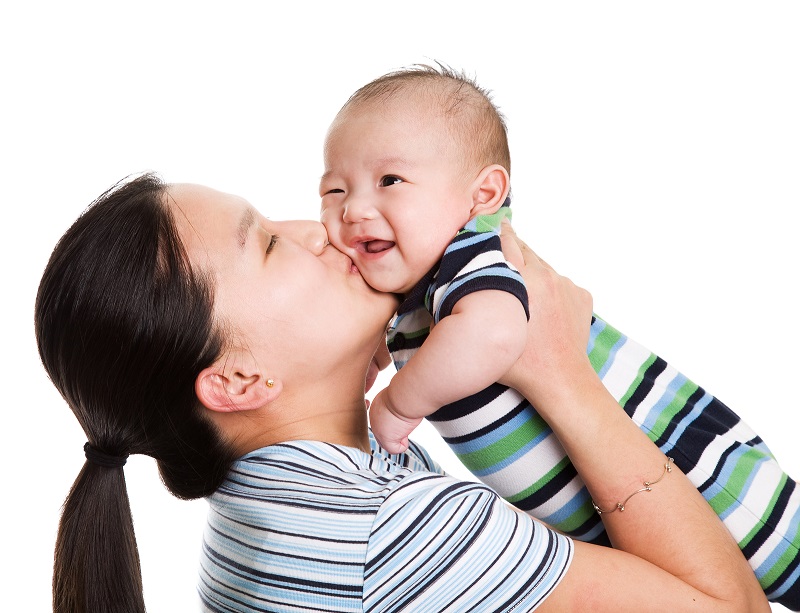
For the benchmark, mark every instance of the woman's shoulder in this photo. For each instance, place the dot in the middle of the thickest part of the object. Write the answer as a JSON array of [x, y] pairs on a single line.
[[314, 468], [313, 490], [439, 539], [416, 458], [343, 518], [303, 478]]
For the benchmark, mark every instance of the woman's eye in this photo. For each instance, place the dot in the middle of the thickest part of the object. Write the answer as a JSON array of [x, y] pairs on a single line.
[[389, 180], [272, 240]]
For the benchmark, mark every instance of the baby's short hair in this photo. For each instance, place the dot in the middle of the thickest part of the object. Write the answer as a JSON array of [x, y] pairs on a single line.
[[475, 123]]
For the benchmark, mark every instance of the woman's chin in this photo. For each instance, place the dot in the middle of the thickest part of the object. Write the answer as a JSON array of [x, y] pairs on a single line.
[[386, 303]]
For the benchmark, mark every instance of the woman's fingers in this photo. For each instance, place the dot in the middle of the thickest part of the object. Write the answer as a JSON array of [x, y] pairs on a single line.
[[511, 245], [516, 250], [541, 261], [560, 293], [560, 311]]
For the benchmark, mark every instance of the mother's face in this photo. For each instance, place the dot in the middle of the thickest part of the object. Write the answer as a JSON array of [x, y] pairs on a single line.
[[291, 299]]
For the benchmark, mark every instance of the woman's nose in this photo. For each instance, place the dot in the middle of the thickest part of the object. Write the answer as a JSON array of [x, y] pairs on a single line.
[[310, 234]]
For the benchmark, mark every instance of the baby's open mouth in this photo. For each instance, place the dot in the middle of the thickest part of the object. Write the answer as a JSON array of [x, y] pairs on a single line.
[[376, 246]]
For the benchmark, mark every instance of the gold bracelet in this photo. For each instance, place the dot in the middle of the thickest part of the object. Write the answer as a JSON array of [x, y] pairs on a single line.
[[620, 506]]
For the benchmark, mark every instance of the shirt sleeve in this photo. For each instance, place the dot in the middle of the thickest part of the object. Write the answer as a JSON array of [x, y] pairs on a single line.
[[473, 262], [439, 544]]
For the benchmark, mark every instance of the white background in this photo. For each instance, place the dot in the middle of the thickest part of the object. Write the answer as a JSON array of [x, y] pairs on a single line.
[[656, 154]]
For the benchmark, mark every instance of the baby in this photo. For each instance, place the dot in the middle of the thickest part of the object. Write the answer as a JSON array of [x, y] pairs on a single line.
[[414, 195], [415, 186]]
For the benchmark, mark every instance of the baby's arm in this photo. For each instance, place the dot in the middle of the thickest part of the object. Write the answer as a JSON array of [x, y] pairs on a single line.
[[465, 353]]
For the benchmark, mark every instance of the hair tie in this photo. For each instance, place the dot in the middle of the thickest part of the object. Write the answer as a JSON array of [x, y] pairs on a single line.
[[95, 456]]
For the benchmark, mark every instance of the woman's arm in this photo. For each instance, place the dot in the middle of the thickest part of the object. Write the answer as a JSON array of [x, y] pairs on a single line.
[[671, 551]]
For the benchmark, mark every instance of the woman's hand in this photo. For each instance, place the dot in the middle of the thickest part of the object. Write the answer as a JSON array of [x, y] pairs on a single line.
[[558, 330], [671, 552]]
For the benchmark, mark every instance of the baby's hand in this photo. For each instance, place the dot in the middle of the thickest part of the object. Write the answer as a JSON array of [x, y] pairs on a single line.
[[390, 429]]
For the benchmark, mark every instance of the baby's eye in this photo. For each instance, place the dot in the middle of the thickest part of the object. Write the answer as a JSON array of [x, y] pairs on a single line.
[[333, 191], [272, 240], [389, 180]]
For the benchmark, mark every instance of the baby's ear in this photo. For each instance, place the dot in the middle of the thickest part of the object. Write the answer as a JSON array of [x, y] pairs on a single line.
[[490, 189]]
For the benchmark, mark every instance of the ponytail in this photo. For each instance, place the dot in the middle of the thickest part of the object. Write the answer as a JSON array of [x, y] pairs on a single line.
[[96, 559], [123, 325]]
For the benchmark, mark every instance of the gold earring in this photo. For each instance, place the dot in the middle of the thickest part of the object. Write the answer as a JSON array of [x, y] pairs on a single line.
[[270, 382]]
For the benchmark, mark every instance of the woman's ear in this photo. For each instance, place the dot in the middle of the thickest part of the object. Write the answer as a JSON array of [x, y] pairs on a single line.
[[490, 189], [226, 391]]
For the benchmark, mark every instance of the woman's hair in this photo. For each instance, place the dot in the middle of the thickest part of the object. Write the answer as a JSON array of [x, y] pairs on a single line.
[[124, 325]]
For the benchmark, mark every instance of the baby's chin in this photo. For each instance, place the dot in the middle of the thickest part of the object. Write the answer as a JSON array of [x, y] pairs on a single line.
[[386, 286]]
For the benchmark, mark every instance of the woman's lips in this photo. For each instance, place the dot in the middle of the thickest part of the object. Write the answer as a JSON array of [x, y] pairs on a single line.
[[346, 261]]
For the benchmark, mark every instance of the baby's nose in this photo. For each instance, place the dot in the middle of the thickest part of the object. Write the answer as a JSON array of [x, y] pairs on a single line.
[[357, 209]]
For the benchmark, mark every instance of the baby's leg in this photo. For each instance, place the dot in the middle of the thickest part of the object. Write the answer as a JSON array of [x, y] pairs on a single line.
[[504, 442], [501, 439]]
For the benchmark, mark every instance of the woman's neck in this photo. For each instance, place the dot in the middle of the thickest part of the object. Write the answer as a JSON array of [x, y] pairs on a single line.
[[325, 414], [338, 425]]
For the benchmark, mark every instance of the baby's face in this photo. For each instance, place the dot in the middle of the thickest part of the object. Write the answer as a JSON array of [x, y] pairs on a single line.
[[393, 194]]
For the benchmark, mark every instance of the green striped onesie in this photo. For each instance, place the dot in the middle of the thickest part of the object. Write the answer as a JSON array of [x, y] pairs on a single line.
[[501, 439]]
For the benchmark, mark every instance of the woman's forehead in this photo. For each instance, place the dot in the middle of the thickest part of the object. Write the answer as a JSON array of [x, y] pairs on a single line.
[[199, 201], [203, 197], [209, 216]]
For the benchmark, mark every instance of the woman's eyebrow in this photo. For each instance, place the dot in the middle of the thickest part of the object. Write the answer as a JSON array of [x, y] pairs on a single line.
[[243, 229]]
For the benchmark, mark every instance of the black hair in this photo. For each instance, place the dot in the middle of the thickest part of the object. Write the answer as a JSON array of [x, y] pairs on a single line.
[[123, 326]]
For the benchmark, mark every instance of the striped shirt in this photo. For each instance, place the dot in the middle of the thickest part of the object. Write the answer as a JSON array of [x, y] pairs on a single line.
[[507, 444], [473, 261], [314, 527], [501, 439]]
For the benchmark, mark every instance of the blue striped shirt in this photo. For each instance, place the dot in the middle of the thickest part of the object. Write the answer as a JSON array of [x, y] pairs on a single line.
[[472, 262], [309, 526]]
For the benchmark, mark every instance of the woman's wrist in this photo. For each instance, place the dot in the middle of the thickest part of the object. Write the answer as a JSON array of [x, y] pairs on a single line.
[[554, 387]]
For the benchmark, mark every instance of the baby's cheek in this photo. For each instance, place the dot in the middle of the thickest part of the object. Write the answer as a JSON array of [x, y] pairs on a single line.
[[333, 229], [335, 239]]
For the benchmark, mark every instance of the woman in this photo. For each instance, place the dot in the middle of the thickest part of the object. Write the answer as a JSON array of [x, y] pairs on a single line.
[[179, 323]]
